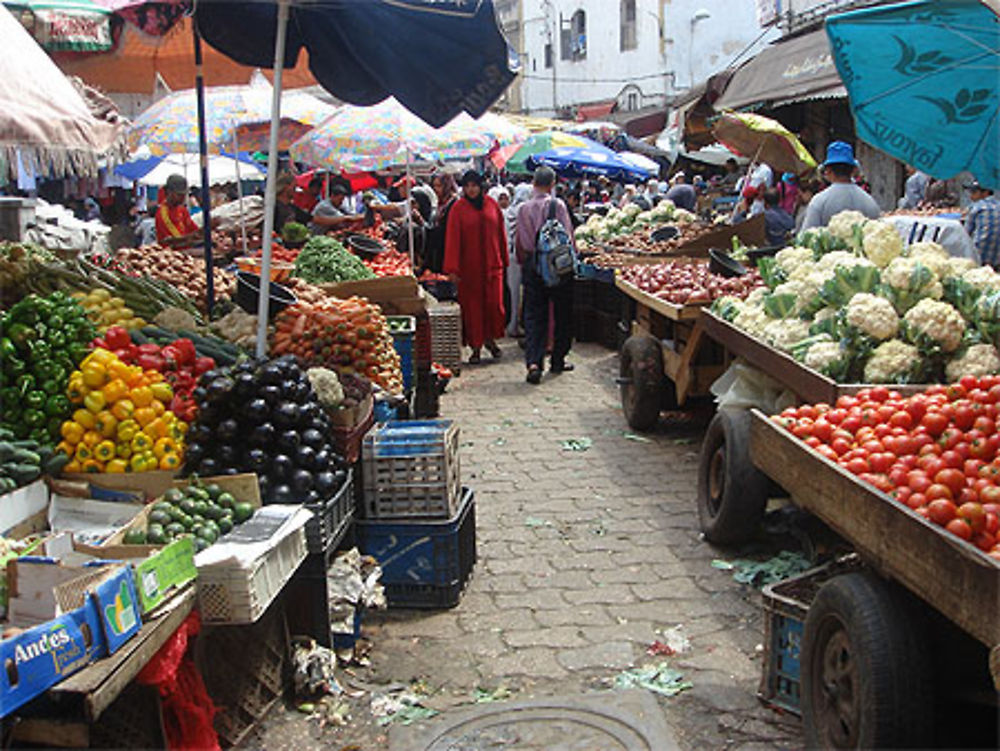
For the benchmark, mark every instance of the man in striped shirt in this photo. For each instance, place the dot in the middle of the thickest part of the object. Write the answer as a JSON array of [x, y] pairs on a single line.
[[983, 223]]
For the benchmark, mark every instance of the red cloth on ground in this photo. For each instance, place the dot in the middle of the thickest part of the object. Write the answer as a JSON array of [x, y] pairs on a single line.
[[187, 708], [476, 251]]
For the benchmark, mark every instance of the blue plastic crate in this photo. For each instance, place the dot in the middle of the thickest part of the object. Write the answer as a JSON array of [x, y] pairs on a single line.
[[590, 271], [384, 412], [408, 438], [403, 329], [425, 564]]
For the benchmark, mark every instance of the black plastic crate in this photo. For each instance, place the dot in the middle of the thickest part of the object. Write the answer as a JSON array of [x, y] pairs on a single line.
[[330, 518], [607, 298], [583, 323], [425, 564]]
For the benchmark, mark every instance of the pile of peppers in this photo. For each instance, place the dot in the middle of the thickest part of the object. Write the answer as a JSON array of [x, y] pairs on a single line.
[[42, 341]]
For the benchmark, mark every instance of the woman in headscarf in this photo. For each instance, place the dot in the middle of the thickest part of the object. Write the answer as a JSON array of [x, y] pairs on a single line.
[[443, 185], [475, 255]]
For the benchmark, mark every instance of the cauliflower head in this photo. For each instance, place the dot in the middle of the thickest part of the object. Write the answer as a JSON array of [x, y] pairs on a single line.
[[978, 360], [872, 315], [683, 216], [842, 225], [756, 298], [837, 258], [881, 243], [958, 266], [825, 357], [791, 258], [893, 361], [936, 321], [783, 334], [983, 278], [931, 255], [753, 320]]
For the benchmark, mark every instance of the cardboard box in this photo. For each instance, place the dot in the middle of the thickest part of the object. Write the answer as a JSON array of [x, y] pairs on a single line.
[[19, 506], [42, 656], [164, 571], [91, 522], [396, 295], [151, 484]]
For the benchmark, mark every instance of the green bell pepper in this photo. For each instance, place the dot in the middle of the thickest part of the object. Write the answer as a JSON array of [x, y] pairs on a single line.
[[21, 335], [25, 383], [33, 418], [35, 399], [7, 349], [53, 386], [57, 405], [56, 339], [40, 350]]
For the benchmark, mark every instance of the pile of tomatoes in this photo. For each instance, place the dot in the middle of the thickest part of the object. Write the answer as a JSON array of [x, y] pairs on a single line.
[[937, 452]]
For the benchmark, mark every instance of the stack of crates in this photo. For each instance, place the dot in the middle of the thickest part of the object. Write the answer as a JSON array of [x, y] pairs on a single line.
[[446, 335], [419, 523], [403, 329]]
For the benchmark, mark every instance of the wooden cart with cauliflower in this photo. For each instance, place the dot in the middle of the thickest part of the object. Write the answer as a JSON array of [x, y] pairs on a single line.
[[865, 655]]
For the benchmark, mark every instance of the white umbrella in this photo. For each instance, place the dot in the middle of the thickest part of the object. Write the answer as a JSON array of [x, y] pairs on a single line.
[[640, 161], [221, 169]]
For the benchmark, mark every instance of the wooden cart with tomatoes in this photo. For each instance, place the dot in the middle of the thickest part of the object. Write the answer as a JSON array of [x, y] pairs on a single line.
[[915, 627]]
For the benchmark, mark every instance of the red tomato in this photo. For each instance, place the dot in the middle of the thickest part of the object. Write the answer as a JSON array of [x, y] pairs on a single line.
[[851, 423], [901, 494], [857, 466], [846, 402], [885, 412], [883, 430], [941, 511], [955, 391], [938, 491], [882, 462], [917, 501], [968, 382], [967, 495], [823, 430], [897, 476], [918, 481], [992, 522], [993, 395], [962, 449], [990, 494], [930, 464], [979, 448], [949, 438], [827, 452], [813, 442], [959, 528], [964, 416], [935, 423], [984, 541], [952, 459], [971, 467], [909, 461], [901, 419], [807, 410], [974, 516], [836, 416], [951, 478], [979, 483], [985, 425], [840, 446], [879, 394], [917, 407], [922, 510], [873, 446]]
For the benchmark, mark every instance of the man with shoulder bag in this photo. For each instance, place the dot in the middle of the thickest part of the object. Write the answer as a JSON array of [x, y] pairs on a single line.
[[547, 254]]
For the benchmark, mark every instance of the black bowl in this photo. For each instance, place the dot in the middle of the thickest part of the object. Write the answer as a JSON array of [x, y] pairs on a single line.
[[248, 294], [667, 232], [768, 250], [724, 264], [365, 246]]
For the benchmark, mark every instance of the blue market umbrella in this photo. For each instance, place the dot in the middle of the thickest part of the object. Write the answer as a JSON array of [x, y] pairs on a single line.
[[591, 160], [922, 82]]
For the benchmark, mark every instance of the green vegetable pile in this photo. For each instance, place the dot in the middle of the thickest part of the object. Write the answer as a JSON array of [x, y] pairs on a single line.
[[42, 341], [23, 462], [204, 512], [324, 259], [294, 233]]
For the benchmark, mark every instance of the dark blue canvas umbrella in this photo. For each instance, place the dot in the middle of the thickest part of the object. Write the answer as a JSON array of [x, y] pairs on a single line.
[[591, 160], [437, 57], [922, 78]]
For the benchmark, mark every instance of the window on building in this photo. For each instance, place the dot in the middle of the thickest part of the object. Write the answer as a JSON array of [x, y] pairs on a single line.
[[627, 39], [632, 102], [548, 55], [573, 37]]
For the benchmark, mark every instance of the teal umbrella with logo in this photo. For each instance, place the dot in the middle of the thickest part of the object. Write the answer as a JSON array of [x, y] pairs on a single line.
[[922, 78]]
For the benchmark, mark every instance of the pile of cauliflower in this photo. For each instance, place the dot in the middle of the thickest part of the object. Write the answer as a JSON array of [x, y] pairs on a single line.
[[626, 220], [879, 312]]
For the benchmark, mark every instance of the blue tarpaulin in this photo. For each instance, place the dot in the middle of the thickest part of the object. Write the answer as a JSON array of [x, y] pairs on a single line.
[[589, 161], [923, 80]]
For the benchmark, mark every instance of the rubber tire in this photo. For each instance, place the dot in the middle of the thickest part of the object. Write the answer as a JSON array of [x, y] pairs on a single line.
[[731, 514], [893, 704], [641, 361]]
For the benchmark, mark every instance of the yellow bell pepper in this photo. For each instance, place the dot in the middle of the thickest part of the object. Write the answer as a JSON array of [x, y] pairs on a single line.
[[137, 462], [118, 370], [141, 396], [156, 429], [153, 376], [136, 378], [123, 409], [164, 446], [126, 430], [116, 466], [106, 424], [157, 406], [85, 418], [100, 356], [91, 438], [144, 462], [94, 374], [104, 451], [144, 415], [176, 430], [124, 451], [72, 432], [66, 447], [73, 466], [92, 465], [115, 390], [77, 389], [170, 461], [141, 442], [162, 392], [82, 452], [95, 401]]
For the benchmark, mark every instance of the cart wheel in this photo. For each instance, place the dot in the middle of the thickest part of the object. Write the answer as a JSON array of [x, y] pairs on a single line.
[[866, 679], [732, 493], [642, 381]]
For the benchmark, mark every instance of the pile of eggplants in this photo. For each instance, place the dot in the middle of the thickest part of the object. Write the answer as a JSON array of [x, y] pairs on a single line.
[[262, 416]]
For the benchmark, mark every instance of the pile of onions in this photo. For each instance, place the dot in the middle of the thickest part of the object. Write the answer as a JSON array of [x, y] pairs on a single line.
[[178, 268], [686, 282]]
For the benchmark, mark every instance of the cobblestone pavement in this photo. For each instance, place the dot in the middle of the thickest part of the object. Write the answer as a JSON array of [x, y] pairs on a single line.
[[585, 558]]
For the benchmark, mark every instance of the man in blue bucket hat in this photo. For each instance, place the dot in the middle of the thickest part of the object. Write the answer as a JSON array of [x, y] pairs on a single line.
[[842, 194]]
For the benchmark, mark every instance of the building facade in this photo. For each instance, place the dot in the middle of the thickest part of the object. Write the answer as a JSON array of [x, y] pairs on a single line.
[[630, 54]]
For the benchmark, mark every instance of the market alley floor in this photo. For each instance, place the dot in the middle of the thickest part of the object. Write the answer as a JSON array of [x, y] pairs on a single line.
[[588, 553]]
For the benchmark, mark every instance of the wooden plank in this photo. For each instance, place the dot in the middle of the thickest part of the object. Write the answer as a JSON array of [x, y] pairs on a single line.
[[48, 732], [664, 308], [951, 576], [102, 682]]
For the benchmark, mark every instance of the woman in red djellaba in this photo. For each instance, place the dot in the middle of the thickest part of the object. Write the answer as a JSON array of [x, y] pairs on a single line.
[[475, 255]]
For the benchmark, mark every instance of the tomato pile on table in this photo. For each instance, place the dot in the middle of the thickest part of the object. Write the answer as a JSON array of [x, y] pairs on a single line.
[[937, 452]]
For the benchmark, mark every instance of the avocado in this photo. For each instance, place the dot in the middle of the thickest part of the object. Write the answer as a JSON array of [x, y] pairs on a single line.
[[174, 495], [155, 535], [134, 537], [226, 500], [174, 528], [242, 511], [158, 516]]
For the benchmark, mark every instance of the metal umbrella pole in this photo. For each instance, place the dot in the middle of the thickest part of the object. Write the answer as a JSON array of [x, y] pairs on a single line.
[[206, 200], [239, 189], [409, 210], [270, 193]]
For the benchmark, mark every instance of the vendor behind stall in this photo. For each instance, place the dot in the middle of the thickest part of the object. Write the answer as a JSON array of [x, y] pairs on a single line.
[[842, 194], [174, 226], [983, 223], [331, 213]]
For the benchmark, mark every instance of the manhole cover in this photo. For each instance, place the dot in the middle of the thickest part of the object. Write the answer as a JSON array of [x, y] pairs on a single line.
[[616, 722]]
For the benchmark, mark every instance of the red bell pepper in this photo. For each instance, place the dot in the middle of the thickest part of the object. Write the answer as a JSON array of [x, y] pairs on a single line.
[[151, 362], [99, 343], [149, 349], [186, 351], [117, 338], [203, 365], [127, 354]]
